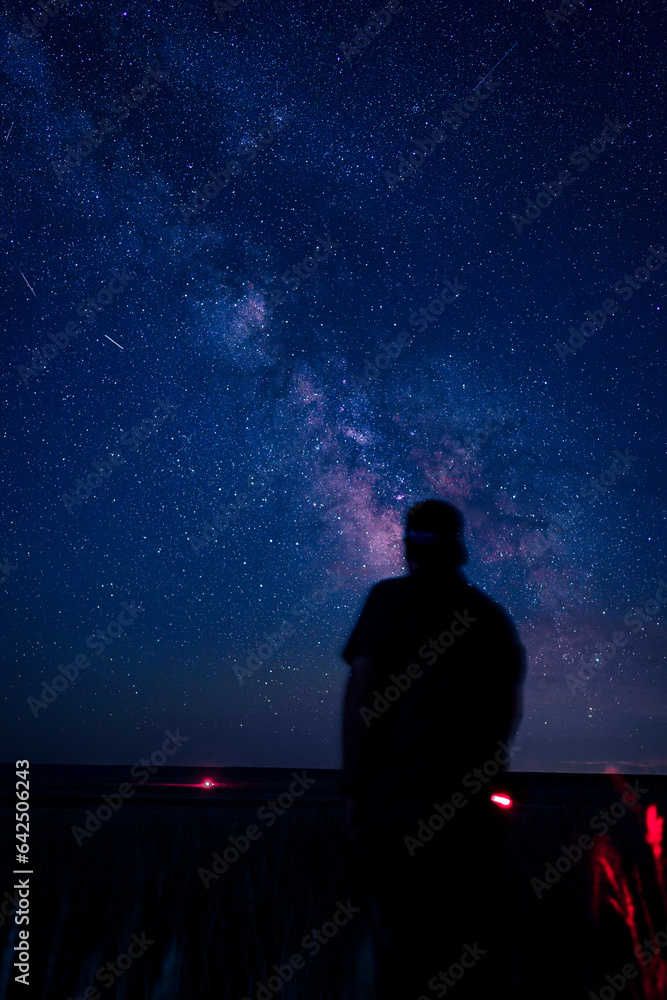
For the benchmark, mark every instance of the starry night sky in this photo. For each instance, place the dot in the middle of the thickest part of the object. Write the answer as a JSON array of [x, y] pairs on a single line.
[[249, 381]]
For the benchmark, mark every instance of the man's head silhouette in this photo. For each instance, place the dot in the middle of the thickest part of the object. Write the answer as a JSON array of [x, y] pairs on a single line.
[[434, 536]]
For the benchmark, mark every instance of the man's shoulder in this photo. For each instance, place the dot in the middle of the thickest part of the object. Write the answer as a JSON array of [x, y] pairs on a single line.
[[394, 587], [393, 583], [482, 598], [403, 588], [476, 593], [495, 613]]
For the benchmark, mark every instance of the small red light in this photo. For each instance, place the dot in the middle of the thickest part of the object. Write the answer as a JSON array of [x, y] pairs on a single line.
[[207, 783], [502, 800]]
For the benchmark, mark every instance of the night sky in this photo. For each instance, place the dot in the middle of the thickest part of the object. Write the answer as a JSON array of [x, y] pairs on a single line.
[[212, 344]]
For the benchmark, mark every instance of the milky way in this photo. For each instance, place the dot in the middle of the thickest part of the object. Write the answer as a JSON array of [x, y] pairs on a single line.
[[272, 273]]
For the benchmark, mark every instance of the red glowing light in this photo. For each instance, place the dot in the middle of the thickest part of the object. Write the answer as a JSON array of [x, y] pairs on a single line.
[[502, 800], [207, 783], [617, 890]]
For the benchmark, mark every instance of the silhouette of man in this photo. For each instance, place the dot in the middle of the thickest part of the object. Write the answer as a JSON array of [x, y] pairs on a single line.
[[435, 691]]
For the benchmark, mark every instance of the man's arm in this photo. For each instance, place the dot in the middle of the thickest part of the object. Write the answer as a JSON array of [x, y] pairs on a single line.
[[515, 693], [507, 702], [357, 734], [367, 652], [516, 701]]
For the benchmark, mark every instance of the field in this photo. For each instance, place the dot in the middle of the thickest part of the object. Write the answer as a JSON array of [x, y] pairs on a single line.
[[138, 873]]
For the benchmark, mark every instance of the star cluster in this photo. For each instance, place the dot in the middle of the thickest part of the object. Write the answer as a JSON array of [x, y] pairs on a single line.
[[354, 285]]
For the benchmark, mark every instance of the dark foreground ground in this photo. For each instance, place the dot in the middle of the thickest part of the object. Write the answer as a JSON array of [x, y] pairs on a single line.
[[138, 873]]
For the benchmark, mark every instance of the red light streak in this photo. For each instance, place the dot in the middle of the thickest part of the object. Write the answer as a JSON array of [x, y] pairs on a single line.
[[502, 800]]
